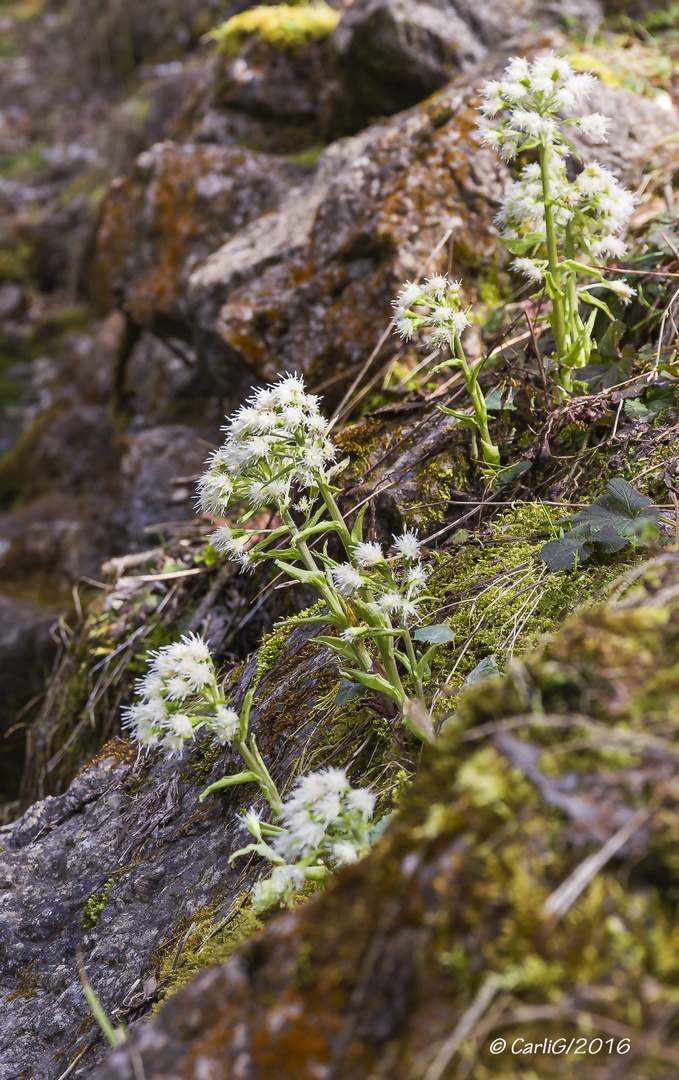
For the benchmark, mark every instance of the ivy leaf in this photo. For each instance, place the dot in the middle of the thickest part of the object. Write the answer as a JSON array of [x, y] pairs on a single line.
[[566, 552], [439, 634], [501, 398], [347, 691], [660, 397], [485, 669], [601, 374], [623, 513]]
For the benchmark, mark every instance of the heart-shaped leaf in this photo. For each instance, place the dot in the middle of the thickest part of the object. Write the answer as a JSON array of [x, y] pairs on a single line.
[[566, 552]]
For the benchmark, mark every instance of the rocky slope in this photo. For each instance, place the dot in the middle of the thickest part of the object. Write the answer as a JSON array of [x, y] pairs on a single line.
[[179, 225]]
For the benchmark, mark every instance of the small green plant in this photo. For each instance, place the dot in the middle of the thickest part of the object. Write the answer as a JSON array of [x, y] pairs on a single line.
[[115, 1036], [278, 456], [435, 305], [622, 516], [561, 231], [326, 821]]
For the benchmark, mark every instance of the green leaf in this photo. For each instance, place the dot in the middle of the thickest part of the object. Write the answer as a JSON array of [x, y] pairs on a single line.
[[622, 510], [347, 691], [245, 777], [660, 397], [526, 243], [501, 398], [635, 409], [485, 669], [566, 552], [357, 531], [600, 374], [438, 634], [608, 346], [511, 473]]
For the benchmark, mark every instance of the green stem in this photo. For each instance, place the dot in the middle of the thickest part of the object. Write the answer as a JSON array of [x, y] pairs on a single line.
[[335, 514], [491, 453], [335, 604], [557, 318], [253, 759], [419, 692]]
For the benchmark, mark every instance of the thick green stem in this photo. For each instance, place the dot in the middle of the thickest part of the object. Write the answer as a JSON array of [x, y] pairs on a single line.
[[557, 318], [491, 454], [419, 692], [335, 514], [253, 759]]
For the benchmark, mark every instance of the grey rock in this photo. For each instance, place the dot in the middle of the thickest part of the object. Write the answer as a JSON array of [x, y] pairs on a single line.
[[308, 287], [392, 53], [140, 820]]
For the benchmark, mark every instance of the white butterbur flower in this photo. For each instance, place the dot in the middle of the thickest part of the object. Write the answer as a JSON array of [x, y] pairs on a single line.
[[277, 440], [594, 125], [344, 852], [390, 601], [622, 290], [407, 544], [368, 554], [362, 800], [181, 725], [529, 268], [347, 580], [173, 743], [609, 247], [224, 724]]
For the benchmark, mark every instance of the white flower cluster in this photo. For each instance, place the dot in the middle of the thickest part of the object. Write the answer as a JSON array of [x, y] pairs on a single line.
[[520, 113], [434, 305], [177, 696], [326, 821], [525, 103], [392, 595], [275, 444]]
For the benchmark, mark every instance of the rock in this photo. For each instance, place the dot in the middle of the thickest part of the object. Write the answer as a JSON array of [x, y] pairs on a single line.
[[11, 300], [309, 287], [27, 651], [459, 915], [138, 821], [159, 470], [393, 53], [181, 203]]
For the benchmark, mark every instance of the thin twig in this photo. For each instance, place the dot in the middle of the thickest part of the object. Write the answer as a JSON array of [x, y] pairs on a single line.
[[469, 1018]]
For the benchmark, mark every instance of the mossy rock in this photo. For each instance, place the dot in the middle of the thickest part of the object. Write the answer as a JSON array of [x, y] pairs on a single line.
[[482, 901], [285, 27]]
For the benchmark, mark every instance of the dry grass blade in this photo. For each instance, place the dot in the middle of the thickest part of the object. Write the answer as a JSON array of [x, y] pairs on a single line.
[[568, 892]]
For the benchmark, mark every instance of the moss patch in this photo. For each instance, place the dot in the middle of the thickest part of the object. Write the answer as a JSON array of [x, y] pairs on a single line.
[[285, 27]]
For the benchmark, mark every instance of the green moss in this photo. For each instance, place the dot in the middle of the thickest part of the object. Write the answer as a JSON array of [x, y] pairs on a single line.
[[498, 599], [92, 910], [273, 643], [24, 164], [197, 943], [285, 27], [16, 263], [433, 486], [307, 159]]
